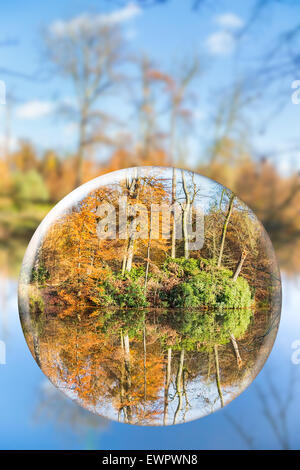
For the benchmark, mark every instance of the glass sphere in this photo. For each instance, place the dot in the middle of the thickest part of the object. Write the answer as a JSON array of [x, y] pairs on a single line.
[[150, 296]]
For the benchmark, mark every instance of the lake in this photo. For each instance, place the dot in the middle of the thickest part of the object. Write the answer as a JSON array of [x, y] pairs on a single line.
[[35, 415]]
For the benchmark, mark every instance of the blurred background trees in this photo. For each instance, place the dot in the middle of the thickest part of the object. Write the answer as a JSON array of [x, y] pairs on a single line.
[[96, 61]]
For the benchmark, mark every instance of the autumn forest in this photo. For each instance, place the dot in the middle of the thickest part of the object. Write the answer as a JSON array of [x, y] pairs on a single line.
[[152, 298]]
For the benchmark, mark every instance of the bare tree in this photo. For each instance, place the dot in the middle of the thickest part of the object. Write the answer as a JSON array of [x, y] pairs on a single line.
[[218, 377], [185, 216], [225, 227], [178, 94], [133, 188], [146, 104], [167, 385], [190, 194], [240, 265], [276, 414], [179, 386], [88, 54]]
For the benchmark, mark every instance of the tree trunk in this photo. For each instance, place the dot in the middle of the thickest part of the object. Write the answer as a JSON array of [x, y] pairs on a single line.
[[36, 347], [122, 390], [145, 363], [127, 352], [173, 239], [80, 151], [225, 227], [179, 386], [236, 350], [240, 265], [124, 264], [233, 340], [148, 251], [128, 256], [187, 404], [130, 251], [218, 375], [133, 188], [148, 262], [167, 386], [185, 217], [128, 376]]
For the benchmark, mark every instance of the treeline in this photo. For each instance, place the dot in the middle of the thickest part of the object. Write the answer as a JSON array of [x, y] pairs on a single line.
[[233, 267], [162, 108]]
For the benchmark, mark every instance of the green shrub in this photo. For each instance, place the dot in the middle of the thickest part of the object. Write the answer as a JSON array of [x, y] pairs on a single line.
[[129, 321], [132, 296], [40, 275], [193, 283], [36, 301], [207, 328], [211, 289], [137, 272], [182, 267], [128, 294]]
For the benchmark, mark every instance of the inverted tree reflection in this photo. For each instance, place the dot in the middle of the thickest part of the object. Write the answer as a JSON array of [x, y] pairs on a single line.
[[149, 366]]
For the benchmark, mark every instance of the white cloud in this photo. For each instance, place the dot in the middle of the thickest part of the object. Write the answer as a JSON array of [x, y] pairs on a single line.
[[220, 43], [230, 21], [34, 109], [87, 22], [122, 15]]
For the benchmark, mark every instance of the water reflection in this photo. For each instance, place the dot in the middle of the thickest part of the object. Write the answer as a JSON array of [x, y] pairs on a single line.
[[40, 419], [276, 405], [151, 366]]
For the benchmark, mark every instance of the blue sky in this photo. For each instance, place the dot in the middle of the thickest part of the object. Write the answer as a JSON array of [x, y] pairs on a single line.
[[168, 34]]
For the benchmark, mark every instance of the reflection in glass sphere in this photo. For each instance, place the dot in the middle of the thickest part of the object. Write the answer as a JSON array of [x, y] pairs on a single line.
[[150, 296]]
